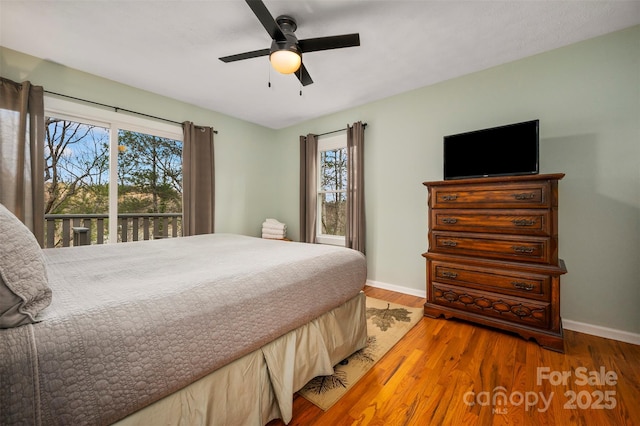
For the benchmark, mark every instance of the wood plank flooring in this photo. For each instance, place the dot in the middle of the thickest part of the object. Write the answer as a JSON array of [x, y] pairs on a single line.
[[448, 372]]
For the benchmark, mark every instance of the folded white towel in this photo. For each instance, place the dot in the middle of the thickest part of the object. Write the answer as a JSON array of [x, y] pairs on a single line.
[[274, 230], [271, 236], [274, 227]]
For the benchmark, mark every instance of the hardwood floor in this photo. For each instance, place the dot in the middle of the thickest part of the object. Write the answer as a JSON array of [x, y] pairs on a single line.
[[448, 372]]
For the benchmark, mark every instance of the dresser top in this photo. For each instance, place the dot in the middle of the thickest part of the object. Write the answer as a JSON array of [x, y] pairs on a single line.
[[496, 179]]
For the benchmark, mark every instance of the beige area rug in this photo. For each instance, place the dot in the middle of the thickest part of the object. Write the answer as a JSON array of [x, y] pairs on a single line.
[[386, 324]]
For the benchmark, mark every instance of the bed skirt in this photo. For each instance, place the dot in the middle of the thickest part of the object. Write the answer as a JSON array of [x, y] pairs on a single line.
[[259, 387]]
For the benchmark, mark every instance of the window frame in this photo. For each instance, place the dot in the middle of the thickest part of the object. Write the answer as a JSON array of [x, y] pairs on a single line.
[[328, 143], [114, 121]]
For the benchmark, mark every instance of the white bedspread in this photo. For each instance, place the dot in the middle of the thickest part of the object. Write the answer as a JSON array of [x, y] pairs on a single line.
[[131, 323]]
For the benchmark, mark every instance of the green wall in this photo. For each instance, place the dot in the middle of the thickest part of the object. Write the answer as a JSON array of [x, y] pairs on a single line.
[[587, 97], [243, 154]]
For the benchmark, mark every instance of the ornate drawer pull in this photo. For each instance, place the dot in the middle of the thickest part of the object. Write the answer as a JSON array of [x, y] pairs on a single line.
[[525, 196], [523, 286], [449, 243], [448, 274], [524, 222], [451, 197], [449, 220], [522, 249]]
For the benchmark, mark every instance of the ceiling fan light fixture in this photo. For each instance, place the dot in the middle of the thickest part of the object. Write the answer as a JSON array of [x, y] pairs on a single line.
[[286, 50], [285, 61]]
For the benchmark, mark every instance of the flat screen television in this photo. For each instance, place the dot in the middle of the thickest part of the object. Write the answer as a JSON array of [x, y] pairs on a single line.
[[497, 151]]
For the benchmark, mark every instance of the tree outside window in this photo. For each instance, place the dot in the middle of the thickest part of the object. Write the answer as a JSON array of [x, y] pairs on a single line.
[[77, 167], [149, 172], [333, 191]]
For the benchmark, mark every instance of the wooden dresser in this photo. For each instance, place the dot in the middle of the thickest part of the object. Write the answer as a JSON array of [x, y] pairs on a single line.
[[493, 254]]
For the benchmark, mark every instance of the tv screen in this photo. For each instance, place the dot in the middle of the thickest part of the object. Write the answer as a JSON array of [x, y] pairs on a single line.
[[498, 151]]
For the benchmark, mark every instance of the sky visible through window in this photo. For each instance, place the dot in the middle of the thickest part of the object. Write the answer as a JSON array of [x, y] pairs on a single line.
[[77, 170], [332, 194]]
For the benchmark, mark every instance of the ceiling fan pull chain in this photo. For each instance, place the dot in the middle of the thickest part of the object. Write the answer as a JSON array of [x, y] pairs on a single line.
[[269, 79], [300, 79]]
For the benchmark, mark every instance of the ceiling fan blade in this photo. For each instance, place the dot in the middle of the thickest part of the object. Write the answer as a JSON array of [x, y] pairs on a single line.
[[246, 55], [303, 76], [265, 18], [326, 43]]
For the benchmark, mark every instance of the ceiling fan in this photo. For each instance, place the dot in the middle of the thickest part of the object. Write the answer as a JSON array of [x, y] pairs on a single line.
[[286, 50]]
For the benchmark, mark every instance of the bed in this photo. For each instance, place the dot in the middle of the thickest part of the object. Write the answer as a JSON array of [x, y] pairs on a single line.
[[210, 329]]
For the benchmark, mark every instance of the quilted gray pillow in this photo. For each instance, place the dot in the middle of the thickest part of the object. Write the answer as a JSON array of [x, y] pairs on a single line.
[[24, 289]]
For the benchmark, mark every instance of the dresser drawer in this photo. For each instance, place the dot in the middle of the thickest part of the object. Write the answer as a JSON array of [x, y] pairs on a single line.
[[508, 195], [496, 246], [512, 309], [529, 285], [525, 222]]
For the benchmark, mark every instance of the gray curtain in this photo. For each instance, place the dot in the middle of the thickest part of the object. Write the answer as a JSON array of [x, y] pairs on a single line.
[[308, 187], [356, 224], [198, 180], [22, 164]]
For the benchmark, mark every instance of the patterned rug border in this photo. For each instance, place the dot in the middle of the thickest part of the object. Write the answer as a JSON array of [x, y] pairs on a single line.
[[387, 323]]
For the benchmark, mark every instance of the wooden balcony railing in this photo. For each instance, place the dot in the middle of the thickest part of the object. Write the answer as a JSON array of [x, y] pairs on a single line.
[[64, 230]]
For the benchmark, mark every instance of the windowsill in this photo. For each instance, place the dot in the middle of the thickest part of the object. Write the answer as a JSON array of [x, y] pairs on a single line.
[[334, 240]]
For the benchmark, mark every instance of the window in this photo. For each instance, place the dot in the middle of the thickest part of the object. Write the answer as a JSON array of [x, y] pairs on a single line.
[[332, 189], [149, 186], [77, 166], [76, 179], [116, 176]]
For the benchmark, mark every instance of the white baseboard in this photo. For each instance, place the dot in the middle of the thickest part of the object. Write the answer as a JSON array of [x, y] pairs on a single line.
[[600, 331], [581, 327], [397, 288]]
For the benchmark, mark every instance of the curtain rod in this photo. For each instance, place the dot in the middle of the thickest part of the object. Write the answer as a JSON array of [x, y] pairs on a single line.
[[117, 109], [339, 130]]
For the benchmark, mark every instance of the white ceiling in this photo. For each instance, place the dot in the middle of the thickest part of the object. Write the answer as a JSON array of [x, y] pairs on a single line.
[[172, 47]]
